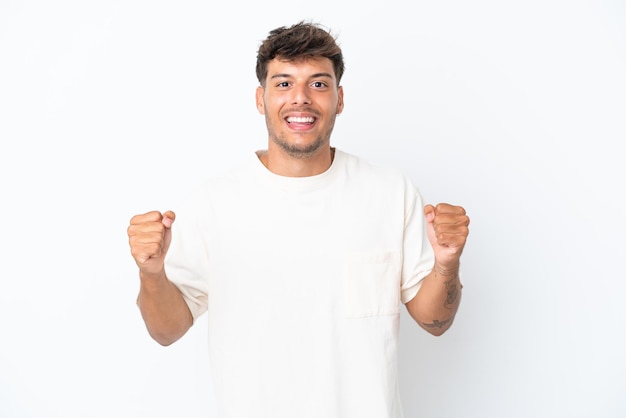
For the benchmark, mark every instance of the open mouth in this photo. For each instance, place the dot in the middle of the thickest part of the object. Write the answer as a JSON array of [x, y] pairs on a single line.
[[300, 120]]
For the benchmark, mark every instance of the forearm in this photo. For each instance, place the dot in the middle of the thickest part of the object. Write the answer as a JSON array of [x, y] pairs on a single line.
[[163, 309], [436, 303]]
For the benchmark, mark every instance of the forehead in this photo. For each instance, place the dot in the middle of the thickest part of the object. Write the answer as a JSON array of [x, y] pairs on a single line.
[[307, 66]]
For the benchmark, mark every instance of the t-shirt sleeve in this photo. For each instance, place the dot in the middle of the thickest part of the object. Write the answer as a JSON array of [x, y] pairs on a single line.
[[186, 263], [418, 256]]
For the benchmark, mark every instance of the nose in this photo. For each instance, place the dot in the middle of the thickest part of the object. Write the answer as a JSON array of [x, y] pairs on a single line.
[[300, 95]]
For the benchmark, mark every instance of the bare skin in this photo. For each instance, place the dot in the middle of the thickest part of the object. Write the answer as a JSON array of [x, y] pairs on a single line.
[[300, 101], [162, 306], [436, 303]]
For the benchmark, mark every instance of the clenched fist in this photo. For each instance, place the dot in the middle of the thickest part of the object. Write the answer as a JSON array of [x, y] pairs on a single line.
[[149, 236], [448, 228]]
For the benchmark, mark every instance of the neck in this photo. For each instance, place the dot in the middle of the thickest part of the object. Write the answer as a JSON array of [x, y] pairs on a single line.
[[286, 165]]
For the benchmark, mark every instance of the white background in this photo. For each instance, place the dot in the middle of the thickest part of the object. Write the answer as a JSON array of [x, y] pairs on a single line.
[[516, 110]]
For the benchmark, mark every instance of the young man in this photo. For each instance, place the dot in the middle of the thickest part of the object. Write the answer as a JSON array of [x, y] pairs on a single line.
[[301, 257]]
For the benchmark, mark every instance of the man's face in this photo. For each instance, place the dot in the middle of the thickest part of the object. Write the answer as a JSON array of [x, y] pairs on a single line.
[[300, 101]]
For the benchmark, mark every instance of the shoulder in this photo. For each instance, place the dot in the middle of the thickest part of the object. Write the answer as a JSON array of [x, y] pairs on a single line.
[[385, 182], [371, 171], [220, 185]]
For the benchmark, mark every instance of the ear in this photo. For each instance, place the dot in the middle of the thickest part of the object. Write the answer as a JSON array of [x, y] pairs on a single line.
[[260, 103], [340, 100]]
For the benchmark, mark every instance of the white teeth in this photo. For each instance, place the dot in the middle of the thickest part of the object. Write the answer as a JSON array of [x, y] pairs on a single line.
[[300, 120]]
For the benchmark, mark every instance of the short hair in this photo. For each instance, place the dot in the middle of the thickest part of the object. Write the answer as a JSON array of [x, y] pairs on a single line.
[[299, 41]]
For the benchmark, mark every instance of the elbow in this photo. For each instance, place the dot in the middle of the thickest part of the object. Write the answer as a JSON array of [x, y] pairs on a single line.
[[164, 341], [434, 320], [437, 332], [165, 338], [436, 327]]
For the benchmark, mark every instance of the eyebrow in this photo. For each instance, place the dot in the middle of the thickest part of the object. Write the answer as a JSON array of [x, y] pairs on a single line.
[[316, 75]]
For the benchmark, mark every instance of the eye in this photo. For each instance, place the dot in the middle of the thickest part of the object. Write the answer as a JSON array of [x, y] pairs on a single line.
[[318, 84], [283, 84]]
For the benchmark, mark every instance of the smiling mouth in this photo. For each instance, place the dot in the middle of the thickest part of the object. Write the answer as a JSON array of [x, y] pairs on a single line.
[[294, 119]]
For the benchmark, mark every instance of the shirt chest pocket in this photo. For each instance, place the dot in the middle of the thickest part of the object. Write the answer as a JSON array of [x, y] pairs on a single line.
[[371, 284]]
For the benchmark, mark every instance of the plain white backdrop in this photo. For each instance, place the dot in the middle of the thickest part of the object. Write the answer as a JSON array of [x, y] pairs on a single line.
[[515, 110]]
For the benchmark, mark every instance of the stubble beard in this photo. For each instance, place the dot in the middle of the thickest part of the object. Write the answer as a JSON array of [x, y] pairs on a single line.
[[301, 152]]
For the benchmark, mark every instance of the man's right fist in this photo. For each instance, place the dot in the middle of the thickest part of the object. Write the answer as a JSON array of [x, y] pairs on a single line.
[[149, 236]]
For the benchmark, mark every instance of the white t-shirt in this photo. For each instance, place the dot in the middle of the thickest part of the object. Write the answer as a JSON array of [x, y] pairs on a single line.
[[303, 279]]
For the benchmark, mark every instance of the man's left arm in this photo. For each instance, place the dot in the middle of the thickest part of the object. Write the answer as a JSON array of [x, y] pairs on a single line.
[[437, 301]]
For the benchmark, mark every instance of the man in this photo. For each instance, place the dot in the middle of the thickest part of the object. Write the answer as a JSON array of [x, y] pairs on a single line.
[[302, 256]]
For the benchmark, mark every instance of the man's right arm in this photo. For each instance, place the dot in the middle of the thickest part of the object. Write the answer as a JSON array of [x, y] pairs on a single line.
[[163, 308]]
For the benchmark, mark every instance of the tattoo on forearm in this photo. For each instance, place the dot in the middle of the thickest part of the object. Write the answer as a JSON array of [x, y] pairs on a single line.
[[452, 293], [437, 324]]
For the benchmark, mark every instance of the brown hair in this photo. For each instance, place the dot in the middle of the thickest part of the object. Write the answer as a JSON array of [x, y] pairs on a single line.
[[300, 41]]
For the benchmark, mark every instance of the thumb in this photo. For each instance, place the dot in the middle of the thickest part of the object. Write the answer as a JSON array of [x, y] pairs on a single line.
[[429, 215], [168, 219]]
